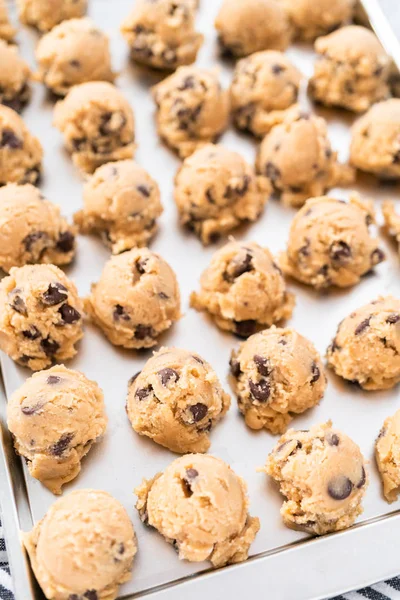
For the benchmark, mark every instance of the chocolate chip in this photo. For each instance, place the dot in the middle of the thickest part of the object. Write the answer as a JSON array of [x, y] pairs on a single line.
[[163, 296], [31, 334], [235, 367], [32, 239], [340, 252], [49, 346], [144, 190], [143, 331], [65, 242], [191, 474], [60, 447], [142, 393], [187, 84], [111, 122], [260, 390], [305, 249], [90, 595], [245, 328], [238, 266], [315, 372], [362, 326], [272, 172], [340, 487], [121, 548], [263, 365], [69, 314], [78, 144], [10, 140], [53, 379], [244, 116], [120, 314], [141, 265], [198, 359], [198, 411], [240, 190], [377, 256], [209, 196], [278, 69], [332, 438], [55, 294], [393, 318], [75, 63], [31, 410], [167, 375], [284, 444], [283, 342], [362, 479]]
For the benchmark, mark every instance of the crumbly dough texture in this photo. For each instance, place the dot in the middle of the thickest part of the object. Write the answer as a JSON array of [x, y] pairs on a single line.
[[387, 454], [20, 152], [322, 474], [176, 400], [311, 18], [162, 34], [45, 14], [330, 242], [40, 316], [55, 417], [366, 347], [247, 26], [15, 90], [83, 548], [192, 109], [298, 171], [216, 190], [392, 220], [263, 85], [243, 289], [7, 31], [32, 229], [375, 140], [97, 123], [200, 505], [74, 52], [352, 69], [136, 299], [276, 374], [121, 203]]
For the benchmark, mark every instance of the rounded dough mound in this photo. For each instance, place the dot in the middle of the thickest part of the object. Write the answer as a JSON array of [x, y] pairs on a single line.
[[298, 171], [83, 547], [121, 203], [97, 123], [136, 299], [243, 289], [192, 109], [162, 34], [322, 474], [311, 18], [7, 31], [387, 454], [215, 190], [201, 507], [76, 51], [247, 26], [15, 74], [20, 152], [40, 316], [375, 140], [55, 417], [366, 347], [330, 243], [352, 69], [176, 400], [45, 14], [277, 374], [32, 229], [263, 84]]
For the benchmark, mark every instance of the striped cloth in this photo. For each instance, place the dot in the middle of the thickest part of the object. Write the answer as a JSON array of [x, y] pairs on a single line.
[[390, 590]]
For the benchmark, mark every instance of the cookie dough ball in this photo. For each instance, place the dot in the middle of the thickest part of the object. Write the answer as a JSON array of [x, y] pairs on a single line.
[[55, 417], [322, 474], [7, 31], [176, 400], [136, 299], [20, 152], [83, 548], [298, 170], [14, 78], [121, 203], [162, 34], [311, 19], [263, 84], [45, 14], [375, 140], [243, 289], [32, 229], [97, 123], [330, 243], [277, 374], [73, 52], [192, 109], [387, 454], [216, 190], [366, 347], [351, 70], [40, 316], [201, 507], [247, 26], [392, 220]]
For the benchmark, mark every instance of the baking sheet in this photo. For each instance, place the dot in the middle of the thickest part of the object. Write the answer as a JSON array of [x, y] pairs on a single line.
[[122, 459]]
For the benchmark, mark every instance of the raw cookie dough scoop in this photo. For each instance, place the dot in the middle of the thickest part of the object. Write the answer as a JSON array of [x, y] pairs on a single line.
[[45, 14], [15, 74], [387, 454], [311, 18]]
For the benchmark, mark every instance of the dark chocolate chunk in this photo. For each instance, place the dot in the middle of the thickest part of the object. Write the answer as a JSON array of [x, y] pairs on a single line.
[[260, 390], [53, 379], [120, 313], [393, 318], [90, 595], [168, 374], [238, 265], [332, 438], [377, 256], [75, 63], [49, 346], [198, 411], [144, 190], [198, 359], [191, 474], [245, 328], [61, 446], [340, 252], [340, 487], [141, 265], [31, 334], [235, 367], [65, 242], [363, 479], [142, 393], [69, 314], [305, 249], [263, 365], [143, 331], [315, 373], [55, 294], [362, 326], [187, 84], [163, 296], [10, 140], [283, 342], [31, 410], [272, 172], [32, 239], [278, 69]]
